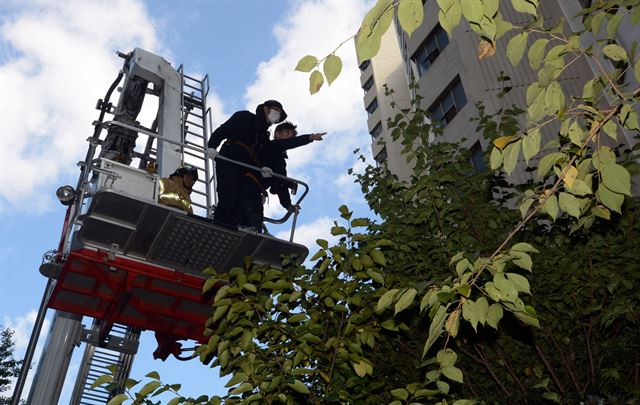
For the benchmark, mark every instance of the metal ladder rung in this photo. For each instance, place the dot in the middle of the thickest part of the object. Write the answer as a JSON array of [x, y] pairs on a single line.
[[194, 155], [194, 134], [191, 78], [193, 123], [193, 87], [193, 144], [195, 115]]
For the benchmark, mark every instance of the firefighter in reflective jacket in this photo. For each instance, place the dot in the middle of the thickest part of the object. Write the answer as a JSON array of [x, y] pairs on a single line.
[[175, 191]]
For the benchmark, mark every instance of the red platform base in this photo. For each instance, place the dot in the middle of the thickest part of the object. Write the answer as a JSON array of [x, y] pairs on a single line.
[[132, 293]]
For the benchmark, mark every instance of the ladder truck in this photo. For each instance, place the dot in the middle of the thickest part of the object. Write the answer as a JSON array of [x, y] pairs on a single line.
[[124, 261]]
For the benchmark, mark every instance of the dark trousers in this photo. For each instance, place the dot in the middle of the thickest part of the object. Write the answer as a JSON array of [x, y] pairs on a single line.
[[228, 181], [251, 209]]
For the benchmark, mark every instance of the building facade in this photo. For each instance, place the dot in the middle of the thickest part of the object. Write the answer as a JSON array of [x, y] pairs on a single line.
[[451, 79]]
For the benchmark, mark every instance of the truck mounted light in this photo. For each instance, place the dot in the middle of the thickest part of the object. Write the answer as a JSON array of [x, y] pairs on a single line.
[[66, 195]]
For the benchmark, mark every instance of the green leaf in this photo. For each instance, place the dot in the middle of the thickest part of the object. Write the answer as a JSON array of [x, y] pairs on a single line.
[[522, 259], [118, 399], [244, 387], [208, 284], [453, 373], [297, 318], [616, 178], [299, 387], [554, 98], [435, 329], [521, 282], [332, 67], [406, 299], [495, 159], [378, 257], [443, 387], [322, 243], [446, 357], [373, 26], [612, 25], [473, 11], [410, 14], [465, 402], [547, 162], [360, 369], [470, 313], [615, 52], [400, 393], [386, 300], [524, 247], [551, 206], [174, 401], [611, 200], [103, 379], [338, 230], [450, 14], [316, 80], [510, 156], [636, 69], [153, 374], [525, 6], [570, 204], [531, 144], [527, 319], [536, 53], [516, 47], [524, 207], [375, 276], [149, 388], [576, 133], [307, 63], [611, 129], [494, 315]]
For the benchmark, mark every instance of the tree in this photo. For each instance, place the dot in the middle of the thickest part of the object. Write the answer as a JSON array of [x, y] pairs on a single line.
[[454, 295], [9, 366]]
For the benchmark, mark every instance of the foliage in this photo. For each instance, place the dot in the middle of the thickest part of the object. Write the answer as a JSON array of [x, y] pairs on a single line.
[[459, 292], [9, 366]]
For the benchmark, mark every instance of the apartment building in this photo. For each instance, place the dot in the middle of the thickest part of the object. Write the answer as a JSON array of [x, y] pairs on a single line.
[[387, 67], [452, 80]]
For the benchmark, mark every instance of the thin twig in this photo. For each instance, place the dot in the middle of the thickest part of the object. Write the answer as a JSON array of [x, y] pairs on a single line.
[[549, 369]]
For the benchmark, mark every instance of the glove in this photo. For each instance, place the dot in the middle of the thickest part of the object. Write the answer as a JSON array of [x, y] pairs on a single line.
[[212, 153], [266, 172]]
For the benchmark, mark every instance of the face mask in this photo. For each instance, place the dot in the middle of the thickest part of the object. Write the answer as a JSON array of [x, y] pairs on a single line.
[[274, 116]]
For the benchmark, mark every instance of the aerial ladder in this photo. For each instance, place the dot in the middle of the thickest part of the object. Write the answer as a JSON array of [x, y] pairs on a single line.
[[126, 261]]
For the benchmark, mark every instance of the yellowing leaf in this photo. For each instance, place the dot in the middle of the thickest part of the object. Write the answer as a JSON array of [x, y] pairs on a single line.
[[360, 369], [503, 141], [486, 49], [307, 63], [316, 80], [570, 176], [453, 323], [332, 68]]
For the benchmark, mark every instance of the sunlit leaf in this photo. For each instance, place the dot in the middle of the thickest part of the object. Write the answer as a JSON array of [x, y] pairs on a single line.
[[410, 14], [316, 80], [516, 47], [332, 67], [307, 63]]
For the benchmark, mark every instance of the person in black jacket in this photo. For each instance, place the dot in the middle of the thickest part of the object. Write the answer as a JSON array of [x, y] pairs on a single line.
[[245, 134], [274, 155]]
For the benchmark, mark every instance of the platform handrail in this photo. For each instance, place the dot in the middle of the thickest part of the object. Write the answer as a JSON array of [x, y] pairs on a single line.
[[279, 221]]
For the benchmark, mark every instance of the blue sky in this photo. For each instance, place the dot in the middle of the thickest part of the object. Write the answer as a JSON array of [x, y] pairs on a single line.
[[57, 59]]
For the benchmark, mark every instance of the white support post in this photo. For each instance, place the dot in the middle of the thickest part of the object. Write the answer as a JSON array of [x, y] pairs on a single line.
[[158, 71], [64, 335]]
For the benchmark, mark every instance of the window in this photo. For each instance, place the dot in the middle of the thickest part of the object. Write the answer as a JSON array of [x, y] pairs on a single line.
[[477, 160], [381, 157], [448, 103], [429, 50], [364, 65], [368, 84], [377, 130], [371, 108]]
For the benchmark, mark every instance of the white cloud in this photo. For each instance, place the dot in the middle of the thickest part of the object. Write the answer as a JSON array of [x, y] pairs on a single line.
[[336, 109], [348, 190], [59, 60], [306, 234]]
